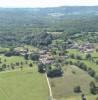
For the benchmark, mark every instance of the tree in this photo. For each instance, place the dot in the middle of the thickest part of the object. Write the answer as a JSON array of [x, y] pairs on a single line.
[[21, 63], [79, 57], [72, 56], [88, 57], [41, 67], [77, 89], [97, 62], [83, 97], [26, 56], [96, 50], [56, 72], [92, 87], [12, 66], [30, 65], [96, 78], [3, 66], [35, 56], [91, 72], [17, 63], [21, 67]]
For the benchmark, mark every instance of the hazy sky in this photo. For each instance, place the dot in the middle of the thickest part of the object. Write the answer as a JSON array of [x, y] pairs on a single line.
[[45, 3]]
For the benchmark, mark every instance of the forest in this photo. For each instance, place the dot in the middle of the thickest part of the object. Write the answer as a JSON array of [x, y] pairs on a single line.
[[18, 24]]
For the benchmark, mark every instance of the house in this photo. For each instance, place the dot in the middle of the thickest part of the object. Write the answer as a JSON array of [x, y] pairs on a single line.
[[86, 48], [22, 51]]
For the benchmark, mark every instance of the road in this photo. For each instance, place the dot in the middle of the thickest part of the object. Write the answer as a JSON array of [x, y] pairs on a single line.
[[49, 86]]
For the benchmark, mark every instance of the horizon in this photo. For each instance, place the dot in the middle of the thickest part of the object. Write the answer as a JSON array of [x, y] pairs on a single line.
[[45, 3], [48, 7]]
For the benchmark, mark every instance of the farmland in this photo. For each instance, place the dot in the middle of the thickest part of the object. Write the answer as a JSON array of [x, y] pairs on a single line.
[[22, 85], [56, 44]]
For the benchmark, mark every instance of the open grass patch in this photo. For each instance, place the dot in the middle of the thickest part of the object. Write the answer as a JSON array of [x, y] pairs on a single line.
[[63, 87], [23, 85]]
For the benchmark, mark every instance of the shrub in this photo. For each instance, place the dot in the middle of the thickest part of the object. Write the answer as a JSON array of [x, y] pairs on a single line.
[[35, 56], [72, 56], [78, 57], [96, 78], [91, 72], [41, 68], [92, 87], [54, 72], [96, 62], [30, 65], [77, 89]]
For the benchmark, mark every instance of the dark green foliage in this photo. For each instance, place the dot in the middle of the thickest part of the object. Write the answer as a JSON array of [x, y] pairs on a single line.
[[83, 97], [72, 56], [56, 72], [3, 66], [41, 68], [88, 56], [26, 56], [91, 72], [96, 50], [81, 65], [35, 56], [96, 78], [28, 23], [12, 53], [77, 89], [17, 63], [78, 57], [31, 65], [97, 62], [92, 88]]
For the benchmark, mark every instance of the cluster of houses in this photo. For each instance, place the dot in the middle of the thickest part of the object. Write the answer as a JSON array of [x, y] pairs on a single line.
[[85, 48], [46, 57]]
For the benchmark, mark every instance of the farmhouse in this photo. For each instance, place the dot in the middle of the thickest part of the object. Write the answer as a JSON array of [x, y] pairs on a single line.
[[86, 48], [22, 51]]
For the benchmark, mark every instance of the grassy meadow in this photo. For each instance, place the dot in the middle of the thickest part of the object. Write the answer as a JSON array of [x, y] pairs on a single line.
[[26, 84], [63, 87]]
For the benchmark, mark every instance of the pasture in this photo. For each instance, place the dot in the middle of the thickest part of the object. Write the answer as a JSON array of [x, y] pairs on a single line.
[[26, 84]]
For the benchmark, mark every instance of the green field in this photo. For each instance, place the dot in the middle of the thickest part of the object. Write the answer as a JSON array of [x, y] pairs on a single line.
[[26, 84], [62, 87]]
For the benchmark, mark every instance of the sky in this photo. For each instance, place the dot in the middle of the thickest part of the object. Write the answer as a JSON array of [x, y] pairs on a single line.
[[46, 3]]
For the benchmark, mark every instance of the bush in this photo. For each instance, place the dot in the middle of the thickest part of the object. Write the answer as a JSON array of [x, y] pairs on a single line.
[[35, 56], [96, 78], [73, 71], [88, 56], [72, 56], [91, 72], [77, 89], [54, 72], [96, 62], [30, 65], [41, 68], [92, 87], [78, 57]]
